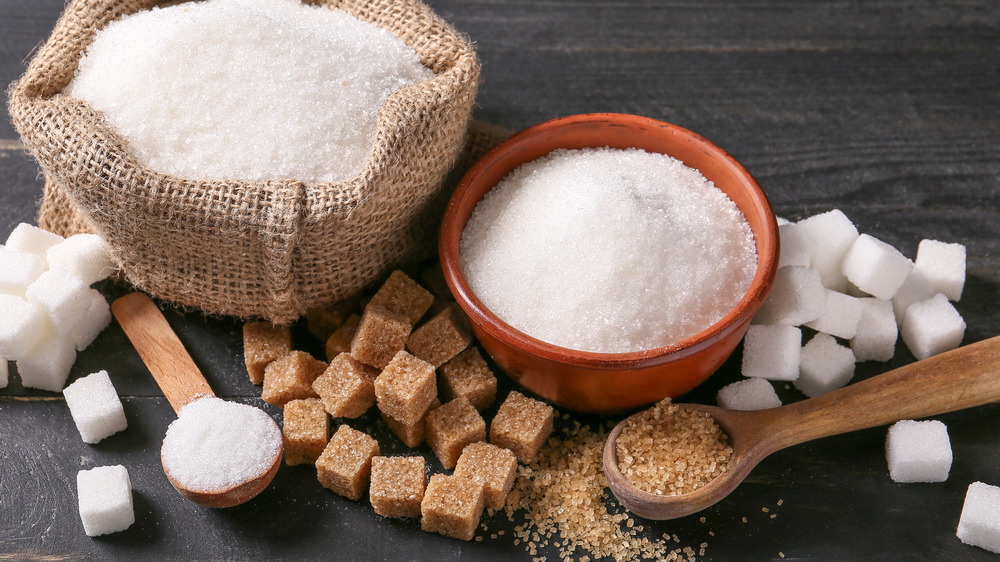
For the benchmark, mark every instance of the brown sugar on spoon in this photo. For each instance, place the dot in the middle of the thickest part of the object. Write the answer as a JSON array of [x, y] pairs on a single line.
[[672, 450]]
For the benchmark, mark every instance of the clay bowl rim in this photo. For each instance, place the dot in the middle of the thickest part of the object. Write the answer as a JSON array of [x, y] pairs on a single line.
[[506, 152]]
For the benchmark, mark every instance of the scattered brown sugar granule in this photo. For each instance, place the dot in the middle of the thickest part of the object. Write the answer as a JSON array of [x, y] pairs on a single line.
[[403, 295], [263, 342], [340, 340], [345, 465], [468, 375], [380, 335], [397, 486], [442, 337], [452, 506], [494, 467], [406, 388], [672, 450], [304, 428], [451, 427], [346, 387], [291, 378], [522, 425], [323, 321]]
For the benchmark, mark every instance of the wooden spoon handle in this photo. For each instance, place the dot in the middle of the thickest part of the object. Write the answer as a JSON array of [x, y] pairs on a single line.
[[163, 353], [962, 378]]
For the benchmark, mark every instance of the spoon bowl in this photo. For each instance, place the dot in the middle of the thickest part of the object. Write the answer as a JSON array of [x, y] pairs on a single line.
[[962, 378]]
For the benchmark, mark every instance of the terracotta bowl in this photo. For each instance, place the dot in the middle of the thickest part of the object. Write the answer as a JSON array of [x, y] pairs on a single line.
[[610, 382]]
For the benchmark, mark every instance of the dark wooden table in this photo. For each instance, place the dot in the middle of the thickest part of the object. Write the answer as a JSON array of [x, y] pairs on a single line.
[[888, 110]]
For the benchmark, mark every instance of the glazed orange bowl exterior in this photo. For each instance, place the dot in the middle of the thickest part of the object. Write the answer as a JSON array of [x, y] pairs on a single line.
[[610, 382]]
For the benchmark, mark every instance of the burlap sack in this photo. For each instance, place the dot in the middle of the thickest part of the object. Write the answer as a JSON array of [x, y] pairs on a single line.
[[270, 249]]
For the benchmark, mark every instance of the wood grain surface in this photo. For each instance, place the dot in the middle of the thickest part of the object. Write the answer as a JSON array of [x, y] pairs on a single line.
[[888, 110]]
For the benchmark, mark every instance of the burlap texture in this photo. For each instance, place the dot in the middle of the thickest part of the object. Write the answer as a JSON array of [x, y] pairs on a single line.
[[269, 249]]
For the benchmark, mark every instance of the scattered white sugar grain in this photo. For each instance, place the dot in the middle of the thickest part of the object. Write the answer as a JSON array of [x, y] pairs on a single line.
[[932, 326], [748, 394], [833, 233], [214, 444], [841, 317], [87, 256], [918, 451], [772, 352], [18, 270], [93, 323], [979, 524], [105, 499], [64, 298], [29, 238], [796, 246], [877, 331], [95, 407], [22, 326], [876, 267], [608, 250], [825, 366], [916, 288], [4, 373], [943, 265], [252, 89], [47, 365], [797, 297]]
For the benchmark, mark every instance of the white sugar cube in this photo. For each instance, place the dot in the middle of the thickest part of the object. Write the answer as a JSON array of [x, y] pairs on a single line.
[[943, 265], [825, 365], [22, 325], [18, 270], [64, 298], [918, 451], [876, 267], [48, 363], [97, 318], [782, 221], [877, 331], [748, 394], [833, 234], [87, 256], [105, 499], [916, 288], [796, 246], [979, 524], [95, 407], [4, 373], [29, 238], [932, 326], [772, 352], [843, 312], [796, 297]]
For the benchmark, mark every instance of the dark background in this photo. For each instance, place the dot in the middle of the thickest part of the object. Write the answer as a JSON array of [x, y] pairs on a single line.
[[889, 111]]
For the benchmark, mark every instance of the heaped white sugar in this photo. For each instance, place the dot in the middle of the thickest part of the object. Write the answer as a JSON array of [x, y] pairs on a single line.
[[748, 394], [22, 325], [47, 365], [943, 265], [979, 524], [916, 288], [841, 317], [608, 250], [64, 298], [918, 451], [877, 331], [251, 89], [772, 352], [96, 409], [29, 238], [214, 444], [18, 270], [833, 234], [105, 499], [932, 326], [97, 318], [86, 256], [796, 246], [797, 297], [876, 267], [825, 365], [4, 373]]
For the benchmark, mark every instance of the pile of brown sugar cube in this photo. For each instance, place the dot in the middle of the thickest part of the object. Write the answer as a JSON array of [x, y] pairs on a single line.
[[387, 357]]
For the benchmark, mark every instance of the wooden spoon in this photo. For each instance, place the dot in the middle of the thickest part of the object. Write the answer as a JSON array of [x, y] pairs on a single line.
[[181, 382], [962, 378]]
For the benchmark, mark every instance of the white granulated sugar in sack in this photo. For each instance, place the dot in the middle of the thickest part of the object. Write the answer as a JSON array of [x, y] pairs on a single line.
[[876, 267], [105, 500], [916, 288], [93, 323], [796, 246], [772, 352], [943, 265], [932, 326], [833, 234], [87, 256], [797, 296], [29, 238], [18, 270], [748, 394], [918, 451], [979, 524], [247, 89], [23, 325], [95, 407], [841, 317], [608, 250], [877, 331], [64, 298], [825, 365]]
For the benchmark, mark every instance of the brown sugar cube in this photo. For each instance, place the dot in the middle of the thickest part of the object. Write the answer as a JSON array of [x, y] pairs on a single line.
[[380, 335], [263, 342], [433, 279], [493, 467], [304, 429], [323, 321], [346, 463], [340, 340], [346, 387], [468, 375], [397, 486], [406, 388], [403, 295], [442, 337], [291, 378], [522, 425], [452, 506], [411, 434], [451, 427]]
